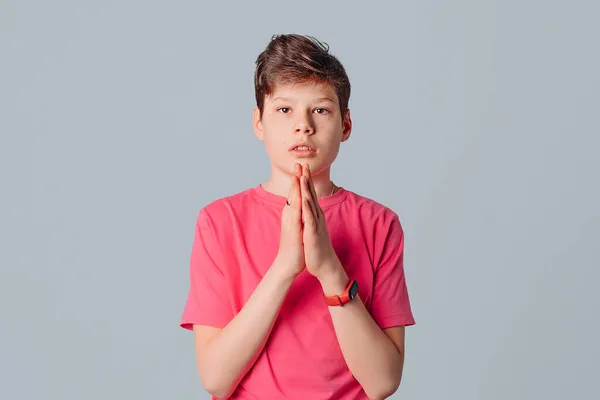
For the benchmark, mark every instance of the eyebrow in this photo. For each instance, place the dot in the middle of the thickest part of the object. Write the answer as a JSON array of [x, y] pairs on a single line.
[[291, 100]]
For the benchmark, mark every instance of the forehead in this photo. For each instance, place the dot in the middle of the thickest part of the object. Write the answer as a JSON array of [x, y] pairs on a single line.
[[303, 91]]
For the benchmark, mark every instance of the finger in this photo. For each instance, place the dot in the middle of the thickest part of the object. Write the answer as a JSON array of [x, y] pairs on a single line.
[[297, 173], [309, 177], [306, 173], [297, 201], [306, 195], [313, 191], [290, 195], [307, 215]]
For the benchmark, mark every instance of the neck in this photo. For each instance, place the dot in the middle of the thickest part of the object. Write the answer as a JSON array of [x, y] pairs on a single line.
[[280, 183]]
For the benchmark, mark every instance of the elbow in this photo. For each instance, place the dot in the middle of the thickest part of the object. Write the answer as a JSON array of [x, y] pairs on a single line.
[[384, 390], [219, 394], [390, 390], [218, 391], [215, 386], [382, 394]]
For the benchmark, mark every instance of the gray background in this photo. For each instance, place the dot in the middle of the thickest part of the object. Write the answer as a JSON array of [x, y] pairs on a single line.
[[476, 121]]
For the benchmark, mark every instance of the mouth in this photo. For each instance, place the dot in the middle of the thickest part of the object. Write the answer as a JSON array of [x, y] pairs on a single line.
[[302, 147], [303, 151]]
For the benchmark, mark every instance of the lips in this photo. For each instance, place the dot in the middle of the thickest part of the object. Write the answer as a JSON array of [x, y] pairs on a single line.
[[303, 147], [303, 151]]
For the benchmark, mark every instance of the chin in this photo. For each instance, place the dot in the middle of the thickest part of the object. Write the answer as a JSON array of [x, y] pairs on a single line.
[[316, 166]]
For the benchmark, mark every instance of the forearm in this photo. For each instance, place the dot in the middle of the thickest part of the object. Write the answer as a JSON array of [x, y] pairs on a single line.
[[370, 354], [233, 351]]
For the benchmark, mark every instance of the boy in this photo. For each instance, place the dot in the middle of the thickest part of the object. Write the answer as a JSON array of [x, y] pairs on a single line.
[[297, 285]]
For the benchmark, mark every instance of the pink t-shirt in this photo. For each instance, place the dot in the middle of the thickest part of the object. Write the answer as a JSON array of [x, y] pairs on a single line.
[[236, 240]]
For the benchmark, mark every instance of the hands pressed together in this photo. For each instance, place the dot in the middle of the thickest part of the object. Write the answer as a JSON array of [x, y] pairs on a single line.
[[304, 240]]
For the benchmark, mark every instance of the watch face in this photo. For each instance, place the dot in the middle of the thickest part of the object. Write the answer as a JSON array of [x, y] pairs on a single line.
[[353, 290]]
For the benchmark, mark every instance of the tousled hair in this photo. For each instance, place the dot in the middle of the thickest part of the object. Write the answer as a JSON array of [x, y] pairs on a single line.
[[293, 58]]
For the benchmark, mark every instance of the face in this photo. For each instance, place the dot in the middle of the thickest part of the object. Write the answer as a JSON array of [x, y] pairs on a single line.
[[306, 115]]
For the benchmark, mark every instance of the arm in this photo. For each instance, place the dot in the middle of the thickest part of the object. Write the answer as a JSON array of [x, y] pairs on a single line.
[[375, 357], [372, 356], [225, 356]]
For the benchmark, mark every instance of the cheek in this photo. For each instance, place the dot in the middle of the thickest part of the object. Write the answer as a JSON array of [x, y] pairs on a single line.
[[275, 136], [332, 151], [276, 145]]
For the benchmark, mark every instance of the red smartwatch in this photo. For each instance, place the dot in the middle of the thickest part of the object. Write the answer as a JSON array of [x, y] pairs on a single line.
[[348, 294]]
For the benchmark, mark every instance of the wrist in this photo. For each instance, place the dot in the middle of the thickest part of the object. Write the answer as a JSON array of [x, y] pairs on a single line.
[[333, 279], [282, 270]]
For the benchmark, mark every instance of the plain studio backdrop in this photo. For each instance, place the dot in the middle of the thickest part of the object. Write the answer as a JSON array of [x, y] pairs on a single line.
[[476, 121]]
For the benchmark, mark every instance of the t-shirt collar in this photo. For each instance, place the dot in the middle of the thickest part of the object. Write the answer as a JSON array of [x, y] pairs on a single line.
[[279, 201]]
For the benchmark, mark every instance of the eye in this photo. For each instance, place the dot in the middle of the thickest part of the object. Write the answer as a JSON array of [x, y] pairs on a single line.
[[321, 110], [283, 110]]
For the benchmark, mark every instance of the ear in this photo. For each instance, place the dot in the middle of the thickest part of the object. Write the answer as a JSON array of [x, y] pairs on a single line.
[[347, 123], [257, 124]]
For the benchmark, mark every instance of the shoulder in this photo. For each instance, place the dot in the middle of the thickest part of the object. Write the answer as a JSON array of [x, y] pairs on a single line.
[[221, 210], [384, 232], [368, 209]]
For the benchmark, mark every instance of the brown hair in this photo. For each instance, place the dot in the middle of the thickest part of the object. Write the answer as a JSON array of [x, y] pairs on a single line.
[[293, 58]]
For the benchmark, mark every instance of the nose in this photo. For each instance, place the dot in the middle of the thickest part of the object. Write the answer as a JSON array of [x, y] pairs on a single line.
[[304, 126]]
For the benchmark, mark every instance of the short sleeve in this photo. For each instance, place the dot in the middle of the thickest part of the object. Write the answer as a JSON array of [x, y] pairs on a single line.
[[207, 301], [390, 305]]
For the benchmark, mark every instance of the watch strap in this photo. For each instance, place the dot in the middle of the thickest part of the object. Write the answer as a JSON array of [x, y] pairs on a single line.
[[341, 299]]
